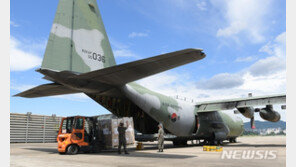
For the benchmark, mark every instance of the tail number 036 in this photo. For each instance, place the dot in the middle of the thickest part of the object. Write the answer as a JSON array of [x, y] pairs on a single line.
[[97, 57]]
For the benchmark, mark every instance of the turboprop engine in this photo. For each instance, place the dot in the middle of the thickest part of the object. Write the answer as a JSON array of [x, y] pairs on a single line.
[[248, 112], [269, 114]]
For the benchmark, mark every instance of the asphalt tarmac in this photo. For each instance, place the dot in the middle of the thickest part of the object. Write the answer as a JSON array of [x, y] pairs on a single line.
[[248, 151]]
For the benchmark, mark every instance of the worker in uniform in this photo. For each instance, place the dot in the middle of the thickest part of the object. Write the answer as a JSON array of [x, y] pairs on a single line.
[[160, 138], [121, 137]]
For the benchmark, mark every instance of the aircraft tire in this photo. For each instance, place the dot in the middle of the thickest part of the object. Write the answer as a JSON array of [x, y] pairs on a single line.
[[214, 142], [220, 142], [232, 140], [205, 142]]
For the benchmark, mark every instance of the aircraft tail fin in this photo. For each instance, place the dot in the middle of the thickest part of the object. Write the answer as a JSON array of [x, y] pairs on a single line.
[[78, 41]]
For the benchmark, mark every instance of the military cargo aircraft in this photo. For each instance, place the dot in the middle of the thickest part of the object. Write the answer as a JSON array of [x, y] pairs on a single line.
[[79, 59]]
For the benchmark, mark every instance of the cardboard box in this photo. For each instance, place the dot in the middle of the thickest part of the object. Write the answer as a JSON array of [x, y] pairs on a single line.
[[110, 133]]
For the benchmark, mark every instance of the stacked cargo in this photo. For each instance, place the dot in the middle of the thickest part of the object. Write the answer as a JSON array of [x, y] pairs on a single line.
[[110, 133]]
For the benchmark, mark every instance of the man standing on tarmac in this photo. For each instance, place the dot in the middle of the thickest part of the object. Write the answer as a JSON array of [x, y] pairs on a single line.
[[160, 138], [122, 141]]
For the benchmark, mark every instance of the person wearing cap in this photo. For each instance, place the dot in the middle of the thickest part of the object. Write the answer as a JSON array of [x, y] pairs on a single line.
[[160, 138], [121, 137]]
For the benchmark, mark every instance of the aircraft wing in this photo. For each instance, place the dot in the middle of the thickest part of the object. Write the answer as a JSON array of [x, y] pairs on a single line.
[[240, 103], [51, 89], [128, 72]]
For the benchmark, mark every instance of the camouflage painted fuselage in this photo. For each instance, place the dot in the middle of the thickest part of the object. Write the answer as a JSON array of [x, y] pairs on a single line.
[[179, 117]]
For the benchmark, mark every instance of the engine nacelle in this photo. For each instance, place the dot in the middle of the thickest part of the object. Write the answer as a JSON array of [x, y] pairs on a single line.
[[269, 114], [247, 112]]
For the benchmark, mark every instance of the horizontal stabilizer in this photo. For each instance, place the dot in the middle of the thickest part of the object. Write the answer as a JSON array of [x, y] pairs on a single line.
[[52, 89], [125, 73]]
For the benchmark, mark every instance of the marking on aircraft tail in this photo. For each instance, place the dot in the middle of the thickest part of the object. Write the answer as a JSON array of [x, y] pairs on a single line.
[[88, 44]]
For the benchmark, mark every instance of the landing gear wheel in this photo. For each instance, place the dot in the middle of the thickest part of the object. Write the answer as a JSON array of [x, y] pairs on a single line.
[[72, 149], [175, 143], [214, 142], [184, 142], [232, 140], [205, 142]]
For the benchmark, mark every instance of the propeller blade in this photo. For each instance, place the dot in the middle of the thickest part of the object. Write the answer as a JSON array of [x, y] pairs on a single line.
[[253, 123]]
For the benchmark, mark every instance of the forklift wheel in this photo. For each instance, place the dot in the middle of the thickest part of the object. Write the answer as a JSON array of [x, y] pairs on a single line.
[[72, 149]]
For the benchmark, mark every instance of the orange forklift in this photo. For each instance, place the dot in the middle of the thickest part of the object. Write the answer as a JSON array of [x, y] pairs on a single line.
[[79, 133]]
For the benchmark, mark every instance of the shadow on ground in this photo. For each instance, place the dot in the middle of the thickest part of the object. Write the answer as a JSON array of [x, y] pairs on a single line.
[[253, 145], [48, 150], [150, 146], [146, 155], [113, 152]]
